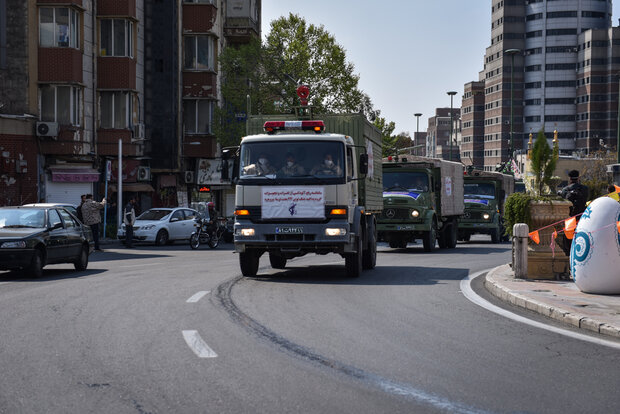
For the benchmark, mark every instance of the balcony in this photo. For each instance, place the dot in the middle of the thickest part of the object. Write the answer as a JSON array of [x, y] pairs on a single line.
[[116, 73], [120, 8], [60, 64]]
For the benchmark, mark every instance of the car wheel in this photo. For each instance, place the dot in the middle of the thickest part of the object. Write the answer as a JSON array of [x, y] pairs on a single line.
[[161, 238], [82, 262], [35, 269]]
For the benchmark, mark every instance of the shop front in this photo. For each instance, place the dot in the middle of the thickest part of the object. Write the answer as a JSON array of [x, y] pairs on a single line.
[[65, 184]]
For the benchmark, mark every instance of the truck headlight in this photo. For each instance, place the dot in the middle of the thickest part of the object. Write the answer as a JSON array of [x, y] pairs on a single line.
[[415, 213], [14, 245], [245, 232], [335, 232], [486, 216]]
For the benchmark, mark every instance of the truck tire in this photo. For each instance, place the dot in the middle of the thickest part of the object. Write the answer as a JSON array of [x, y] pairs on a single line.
[[369, 259], [442, 240], [353, 261], [249, 263], [429, 238], [452, 235], [277, 261], [495, 235]]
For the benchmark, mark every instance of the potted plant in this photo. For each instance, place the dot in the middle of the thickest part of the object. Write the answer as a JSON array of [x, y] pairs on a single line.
[[538, 208]]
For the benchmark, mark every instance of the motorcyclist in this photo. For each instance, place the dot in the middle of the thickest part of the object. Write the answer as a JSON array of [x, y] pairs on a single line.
[[210, 217]]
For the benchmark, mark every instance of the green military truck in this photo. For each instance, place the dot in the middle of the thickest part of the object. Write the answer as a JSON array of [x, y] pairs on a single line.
[[484, 195], [308, 186], [422, 199]]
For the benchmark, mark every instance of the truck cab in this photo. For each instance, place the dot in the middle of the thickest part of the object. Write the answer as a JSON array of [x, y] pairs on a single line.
[[484, 197], [298, 191]]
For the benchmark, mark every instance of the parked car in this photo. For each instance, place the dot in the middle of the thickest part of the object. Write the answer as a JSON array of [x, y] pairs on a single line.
[[72, 208], [33, 237], [162, 225]]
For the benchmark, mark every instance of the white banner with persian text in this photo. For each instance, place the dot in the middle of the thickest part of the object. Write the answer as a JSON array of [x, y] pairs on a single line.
[[293, 202]]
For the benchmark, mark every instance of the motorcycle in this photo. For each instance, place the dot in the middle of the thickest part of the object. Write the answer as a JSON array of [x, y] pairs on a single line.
[[205, 235]]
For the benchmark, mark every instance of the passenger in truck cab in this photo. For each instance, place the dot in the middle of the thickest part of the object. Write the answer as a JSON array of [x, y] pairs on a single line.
[[291, 167], [260, 168], [327, 167]]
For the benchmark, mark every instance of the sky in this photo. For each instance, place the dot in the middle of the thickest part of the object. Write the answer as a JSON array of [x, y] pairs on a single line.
[[408, 53]]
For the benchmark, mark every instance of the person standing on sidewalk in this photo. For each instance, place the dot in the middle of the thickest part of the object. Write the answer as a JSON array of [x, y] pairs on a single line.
[[577, 194], [92, 217], [129, 218], [79, 209]]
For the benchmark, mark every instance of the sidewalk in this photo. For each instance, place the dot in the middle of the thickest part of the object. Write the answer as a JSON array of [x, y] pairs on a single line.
[[560, 300]]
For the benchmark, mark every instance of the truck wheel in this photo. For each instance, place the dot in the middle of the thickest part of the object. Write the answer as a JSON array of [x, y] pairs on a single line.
[[429, 238], [277, 261], [495, 236], [452, 235], [249, 263], [442, 240], [394, 244], [369, 260], [353, 261], [466, 237]]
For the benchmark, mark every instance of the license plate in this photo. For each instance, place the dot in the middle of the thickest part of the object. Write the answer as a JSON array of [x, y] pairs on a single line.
[[289, 230]]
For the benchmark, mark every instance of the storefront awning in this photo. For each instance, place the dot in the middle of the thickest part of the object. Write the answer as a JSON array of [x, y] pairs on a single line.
[[133, 188], [75, 175]]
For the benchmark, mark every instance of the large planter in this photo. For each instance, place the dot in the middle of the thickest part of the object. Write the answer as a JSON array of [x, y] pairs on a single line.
[[543, 261]]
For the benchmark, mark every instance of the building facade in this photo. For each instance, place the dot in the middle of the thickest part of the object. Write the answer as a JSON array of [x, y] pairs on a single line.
[[472, 125]]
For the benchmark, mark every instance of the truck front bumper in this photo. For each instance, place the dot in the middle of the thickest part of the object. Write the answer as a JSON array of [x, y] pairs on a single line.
[[295, 239]]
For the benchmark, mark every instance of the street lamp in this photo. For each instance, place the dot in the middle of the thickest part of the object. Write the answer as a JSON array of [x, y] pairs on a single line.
[[417, 134], [511, 53], [451, 93]]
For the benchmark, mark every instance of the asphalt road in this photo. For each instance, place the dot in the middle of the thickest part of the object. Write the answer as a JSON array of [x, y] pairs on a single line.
[[171, 330]]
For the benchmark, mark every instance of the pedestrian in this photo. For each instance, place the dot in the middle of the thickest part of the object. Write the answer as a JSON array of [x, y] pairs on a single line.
[[79, 209], [612, 193], [576, 193], [92, 217], [129, 218]]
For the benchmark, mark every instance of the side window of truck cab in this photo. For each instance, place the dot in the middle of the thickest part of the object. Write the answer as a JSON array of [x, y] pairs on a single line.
[[349, 162]]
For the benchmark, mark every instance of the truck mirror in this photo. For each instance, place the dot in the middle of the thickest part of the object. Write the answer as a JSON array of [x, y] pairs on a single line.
[[363, 164], [225, 169]]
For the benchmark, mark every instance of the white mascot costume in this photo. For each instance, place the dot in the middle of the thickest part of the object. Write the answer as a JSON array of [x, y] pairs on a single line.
[[595, 251]]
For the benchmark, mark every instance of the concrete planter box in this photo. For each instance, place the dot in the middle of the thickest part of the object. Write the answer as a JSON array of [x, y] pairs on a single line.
[[543, 262]]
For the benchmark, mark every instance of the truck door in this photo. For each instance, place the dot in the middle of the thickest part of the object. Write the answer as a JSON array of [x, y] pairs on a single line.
[[350, 173]]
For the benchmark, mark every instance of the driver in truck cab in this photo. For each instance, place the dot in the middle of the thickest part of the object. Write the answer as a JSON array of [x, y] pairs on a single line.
[[260, 168], [327, 167]]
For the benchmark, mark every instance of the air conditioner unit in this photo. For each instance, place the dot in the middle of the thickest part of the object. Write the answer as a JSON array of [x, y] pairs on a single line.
[[144, 173], [138, 132], [189, 177], [47, 129]]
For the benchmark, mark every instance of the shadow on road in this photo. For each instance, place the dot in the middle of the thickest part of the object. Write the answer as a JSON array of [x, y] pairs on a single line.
[[49, 275], [379, 276], [461, 248]]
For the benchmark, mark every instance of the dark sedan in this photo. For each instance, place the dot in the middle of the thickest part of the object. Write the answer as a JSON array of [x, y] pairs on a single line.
[[32, 237]]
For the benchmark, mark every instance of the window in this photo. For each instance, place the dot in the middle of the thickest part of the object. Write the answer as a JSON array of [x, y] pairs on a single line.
[[116, 37], [3, 34], [595, 14], [53, 218], [535, 33], [561, 14], [533, 68], [561, 32], [66, 217], [199, 52], [561, 84], [560, 66], [199, 1], [115, 110], [58, 27], [350, 162], [60, 104], [536, 16], [197, 116]]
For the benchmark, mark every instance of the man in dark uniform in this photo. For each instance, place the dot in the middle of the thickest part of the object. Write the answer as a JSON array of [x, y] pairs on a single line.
[[576, 193]]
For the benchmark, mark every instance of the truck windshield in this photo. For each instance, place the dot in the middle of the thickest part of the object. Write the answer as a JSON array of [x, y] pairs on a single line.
[[480, 190], [405, 181], [292, 161]]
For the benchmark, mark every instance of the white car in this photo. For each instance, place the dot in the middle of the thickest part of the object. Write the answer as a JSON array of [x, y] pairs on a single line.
[[162, 225]]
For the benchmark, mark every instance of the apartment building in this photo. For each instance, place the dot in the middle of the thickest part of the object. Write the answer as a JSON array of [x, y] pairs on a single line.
[[598, 65], [438, 134], [80, 79], [530, 72], [472, 125]]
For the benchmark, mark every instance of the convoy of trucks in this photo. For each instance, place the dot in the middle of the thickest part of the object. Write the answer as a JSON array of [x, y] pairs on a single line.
[[308, 186], [422, 199], [485, 195]]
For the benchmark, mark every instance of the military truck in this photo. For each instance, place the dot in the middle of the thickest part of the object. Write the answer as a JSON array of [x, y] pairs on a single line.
[[484, 194], [422, 199], [302, 190]]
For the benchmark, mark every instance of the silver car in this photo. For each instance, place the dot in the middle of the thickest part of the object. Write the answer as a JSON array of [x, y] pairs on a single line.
[[162, 225]]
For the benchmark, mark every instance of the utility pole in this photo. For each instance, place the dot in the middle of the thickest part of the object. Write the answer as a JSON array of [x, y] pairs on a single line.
[[451, 93]]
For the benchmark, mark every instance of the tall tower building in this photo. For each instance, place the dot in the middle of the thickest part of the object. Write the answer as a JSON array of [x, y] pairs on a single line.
[[529, 74]]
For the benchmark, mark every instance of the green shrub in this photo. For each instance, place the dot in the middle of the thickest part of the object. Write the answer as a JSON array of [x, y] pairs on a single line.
[[517, 210]]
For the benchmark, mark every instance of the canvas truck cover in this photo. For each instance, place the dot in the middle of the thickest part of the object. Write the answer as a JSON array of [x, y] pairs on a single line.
[[364, 134]]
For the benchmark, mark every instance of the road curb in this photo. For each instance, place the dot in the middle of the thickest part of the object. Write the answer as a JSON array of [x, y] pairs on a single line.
[[496, 283]]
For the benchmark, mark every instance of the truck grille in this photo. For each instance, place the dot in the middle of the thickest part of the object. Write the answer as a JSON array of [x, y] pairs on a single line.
[[289, 237], [395, 213]]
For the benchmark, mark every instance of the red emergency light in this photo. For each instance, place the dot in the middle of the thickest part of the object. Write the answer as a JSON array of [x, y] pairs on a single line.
[[273, 126]]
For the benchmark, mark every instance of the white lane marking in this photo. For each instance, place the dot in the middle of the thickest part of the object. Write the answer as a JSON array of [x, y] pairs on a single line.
[[472, 296], [195, 298], [142, 265], [197, 345]]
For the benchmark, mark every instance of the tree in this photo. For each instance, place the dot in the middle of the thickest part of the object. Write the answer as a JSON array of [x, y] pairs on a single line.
[[387, 139], [543, 161]]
